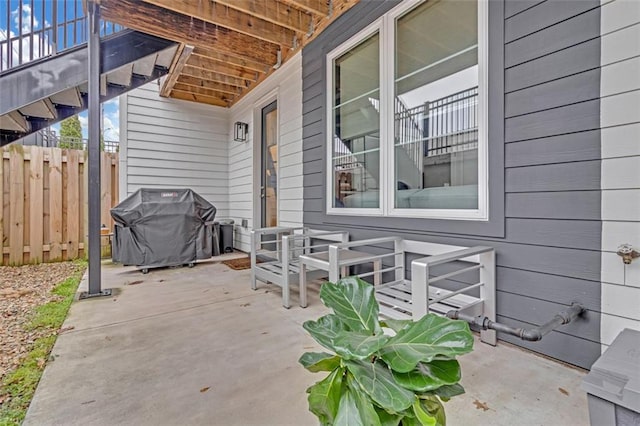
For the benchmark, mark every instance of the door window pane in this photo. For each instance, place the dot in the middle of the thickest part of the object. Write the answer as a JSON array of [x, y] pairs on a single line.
[[435, 106], [355, 158]]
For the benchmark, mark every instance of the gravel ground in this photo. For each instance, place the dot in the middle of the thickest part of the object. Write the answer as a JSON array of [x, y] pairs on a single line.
[[23, 288]]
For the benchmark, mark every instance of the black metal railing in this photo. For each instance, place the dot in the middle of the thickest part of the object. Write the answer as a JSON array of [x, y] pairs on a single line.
[[48, 138], [443, 126], [34, 29]]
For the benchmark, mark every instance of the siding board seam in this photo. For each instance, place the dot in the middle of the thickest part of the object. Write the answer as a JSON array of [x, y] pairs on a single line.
[[549, 26]]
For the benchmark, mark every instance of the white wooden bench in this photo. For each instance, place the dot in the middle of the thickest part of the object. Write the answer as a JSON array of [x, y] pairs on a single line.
[[402, 298], [275, 256]]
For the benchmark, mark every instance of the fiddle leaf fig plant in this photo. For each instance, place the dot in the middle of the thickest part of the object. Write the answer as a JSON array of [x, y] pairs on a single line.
[[375, 378]]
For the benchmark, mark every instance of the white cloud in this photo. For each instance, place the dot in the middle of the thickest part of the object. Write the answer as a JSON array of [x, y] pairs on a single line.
[[26, 18], [111, 129], [41, 45]]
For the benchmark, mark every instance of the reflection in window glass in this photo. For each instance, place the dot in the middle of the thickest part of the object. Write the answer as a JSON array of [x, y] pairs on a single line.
[[435, 104], [356, 123]]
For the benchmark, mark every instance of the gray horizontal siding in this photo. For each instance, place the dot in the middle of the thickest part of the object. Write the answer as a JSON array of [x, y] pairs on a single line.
[[555, 38], [513, 7], [576, 205], [581, 146], [544, 164], [543, 15]]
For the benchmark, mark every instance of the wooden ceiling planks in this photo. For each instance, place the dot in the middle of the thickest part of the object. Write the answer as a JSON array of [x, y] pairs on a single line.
[[233, 45]]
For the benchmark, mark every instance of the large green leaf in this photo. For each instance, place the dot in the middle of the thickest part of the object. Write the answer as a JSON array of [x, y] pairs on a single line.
[[425, 339], [324, 397], [435, 408], [353, 300], [319, 361], [387, 419], [358, 344], [446, 392], [348, 413], [429, 376], [325, 329], [396, 324], [376, 379], [422, 415], [365, 406]]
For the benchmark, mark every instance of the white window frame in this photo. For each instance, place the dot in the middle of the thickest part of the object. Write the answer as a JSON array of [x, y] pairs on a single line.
[[386, 28], [369, 31]]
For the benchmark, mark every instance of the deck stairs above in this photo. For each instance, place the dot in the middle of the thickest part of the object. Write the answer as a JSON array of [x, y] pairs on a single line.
[[40, 93]]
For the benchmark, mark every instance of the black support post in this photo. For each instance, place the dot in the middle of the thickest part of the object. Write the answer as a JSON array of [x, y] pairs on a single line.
[[93, 146]]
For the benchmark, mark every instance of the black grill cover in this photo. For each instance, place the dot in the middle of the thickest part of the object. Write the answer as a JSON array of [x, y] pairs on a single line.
[[162, 227]]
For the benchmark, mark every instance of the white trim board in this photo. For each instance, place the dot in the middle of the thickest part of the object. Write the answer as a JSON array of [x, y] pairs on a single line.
[[620, 169]]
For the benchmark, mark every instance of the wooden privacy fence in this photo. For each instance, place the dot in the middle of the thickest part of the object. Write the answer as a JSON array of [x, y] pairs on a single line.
[[43, 215]]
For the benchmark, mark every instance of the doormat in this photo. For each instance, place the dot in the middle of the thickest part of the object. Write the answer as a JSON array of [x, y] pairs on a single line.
[[239, 264]]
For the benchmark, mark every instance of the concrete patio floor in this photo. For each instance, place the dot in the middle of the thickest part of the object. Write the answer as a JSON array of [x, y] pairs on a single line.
[[198, 347]]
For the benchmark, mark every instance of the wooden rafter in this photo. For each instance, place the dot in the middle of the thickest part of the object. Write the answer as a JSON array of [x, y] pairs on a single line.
[[179, 61], [207, 84], [317, 7], [233, 19], [160, 22], [217, 77], [222, 68], [203, 99], [273, 11], [232, 59], [203, 91]]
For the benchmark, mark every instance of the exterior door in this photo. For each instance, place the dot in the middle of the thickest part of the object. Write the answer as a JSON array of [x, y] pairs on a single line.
[[269, 165]]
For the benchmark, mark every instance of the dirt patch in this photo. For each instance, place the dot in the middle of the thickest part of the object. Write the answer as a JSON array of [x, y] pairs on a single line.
[[22, 288]]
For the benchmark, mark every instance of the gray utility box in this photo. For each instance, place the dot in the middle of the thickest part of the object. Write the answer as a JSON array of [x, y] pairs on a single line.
[[613, 384]]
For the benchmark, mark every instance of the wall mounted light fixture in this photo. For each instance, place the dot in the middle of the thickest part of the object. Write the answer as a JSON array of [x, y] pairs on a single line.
[[240, 131]]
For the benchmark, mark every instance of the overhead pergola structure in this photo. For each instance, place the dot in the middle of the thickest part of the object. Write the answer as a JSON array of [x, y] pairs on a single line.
[[227, 46]]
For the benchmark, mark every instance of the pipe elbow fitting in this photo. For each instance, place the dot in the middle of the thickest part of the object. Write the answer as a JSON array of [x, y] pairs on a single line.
[[532, 335]]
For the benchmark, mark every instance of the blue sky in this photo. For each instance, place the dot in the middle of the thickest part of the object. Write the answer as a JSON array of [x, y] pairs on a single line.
[[42, 17]]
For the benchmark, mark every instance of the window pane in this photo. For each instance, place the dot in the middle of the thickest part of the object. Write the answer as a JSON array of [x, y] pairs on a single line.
[[436, 94], [356, 123]]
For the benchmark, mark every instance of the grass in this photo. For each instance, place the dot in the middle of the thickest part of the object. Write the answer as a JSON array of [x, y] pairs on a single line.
[[20, 385]]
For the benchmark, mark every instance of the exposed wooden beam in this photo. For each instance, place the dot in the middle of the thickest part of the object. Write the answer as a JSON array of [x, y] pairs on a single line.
[[214, 76], [204, 91], [206, 84], [339, 7], [222, 68], [232, 59], [179, 61], [317, 7], [203, 99], [273, 11], [160, 22], [233, 19]]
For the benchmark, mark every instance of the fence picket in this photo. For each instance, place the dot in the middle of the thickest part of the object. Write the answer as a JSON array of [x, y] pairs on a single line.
[[16, 205], [73, 204], [55, 204], [105, 178], [36, 208]]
